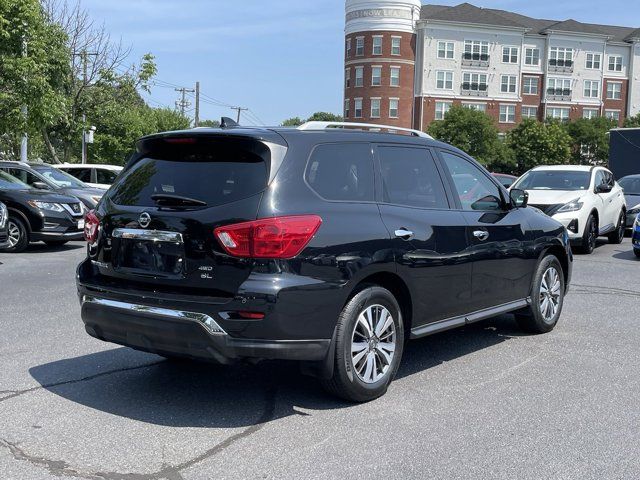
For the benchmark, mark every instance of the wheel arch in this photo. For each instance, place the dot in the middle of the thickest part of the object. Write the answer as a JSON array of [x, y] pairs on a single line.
[[19, 213], [561, 254]]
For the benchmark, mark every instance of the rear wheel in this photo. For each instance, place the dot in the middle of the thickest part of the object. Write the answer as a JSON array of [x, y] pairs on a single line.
[[617, 236], [547, 297], [369, 344], [18, 235], [590, 235], [637, 252]]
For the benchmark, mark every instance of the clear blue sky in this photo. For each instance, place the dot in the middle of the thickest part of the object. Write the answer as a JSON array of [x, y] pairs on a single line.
[[280, 58]]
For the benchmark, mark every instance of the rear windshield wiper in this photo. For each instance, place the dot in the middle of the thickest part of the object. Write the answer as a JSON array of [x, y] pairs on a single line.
[[164, 199]]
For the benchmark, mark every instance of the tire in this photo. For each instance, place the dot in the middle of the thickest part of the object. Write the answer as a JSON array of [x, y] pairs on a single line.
[[547, 297], [56, 243], [617, 236], [366, 361], [637, 252], [589, 237], [18, 236]]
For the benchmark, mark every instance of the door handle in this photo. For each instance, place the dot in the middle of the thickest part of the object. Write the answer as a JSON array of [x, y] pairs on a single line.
[[481, 235], [404, 234]]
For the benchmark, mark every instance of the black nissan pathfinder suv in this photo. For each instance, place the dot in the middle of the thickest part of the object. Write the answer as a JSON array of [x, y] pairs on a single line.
[[330, 246]]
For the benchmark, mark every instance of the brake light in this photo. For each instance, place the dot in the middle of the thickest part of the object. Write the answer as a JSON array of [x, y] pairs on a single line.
[[91, 224], [279, 237], [251, 315], [180, 140]]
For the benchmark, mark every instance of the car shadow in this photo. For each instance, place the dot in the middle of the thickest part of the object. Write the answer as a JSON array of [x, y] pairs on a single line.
[[625, 255], [189, 394], [43, 247]]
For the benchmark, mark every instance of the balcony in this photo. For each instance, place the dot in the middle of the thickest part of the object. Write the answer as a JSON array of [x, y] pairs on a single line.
[[474, 89], [560, 66], [559, 94], [475, 59]]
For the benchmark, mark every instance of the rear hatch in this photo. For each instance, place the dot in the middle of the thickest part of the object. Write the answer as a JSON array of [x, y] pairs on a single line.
[[157, 221]]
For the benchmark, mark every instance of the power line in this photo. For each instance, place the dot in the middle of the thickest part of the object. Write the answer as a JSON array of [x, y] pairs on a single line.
[[183, 103]]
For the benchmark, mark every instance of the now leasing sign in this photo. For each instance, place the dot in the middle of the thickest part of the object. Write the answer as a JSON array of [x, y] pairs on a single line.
[[379, 12]]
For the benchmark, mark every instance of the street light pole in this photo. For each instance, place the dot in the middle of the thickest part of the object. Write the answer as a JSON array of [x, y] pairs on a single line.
[[24, 146]]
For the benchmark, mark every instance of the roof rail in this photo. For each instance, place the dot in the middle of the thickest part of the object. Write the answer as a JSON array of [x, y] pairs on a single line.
[[326, 125]]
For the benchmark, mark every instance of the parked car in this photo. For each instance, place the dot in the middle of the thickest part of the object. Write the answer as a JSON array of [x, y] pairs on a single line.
[[95, 175], [38, 215], [504, 179], [315, 244], [631, 187], [586, 200], [46, 177], [4, 226], [635, 236]]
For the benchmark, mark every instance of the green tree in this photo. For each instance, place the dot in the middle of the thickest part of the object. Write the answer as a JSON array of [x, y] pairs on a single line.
[[632, 122], [473, 132], [324, 117], [210, 123], [293, 122], [534, 143], [590, 140], [34, 63]]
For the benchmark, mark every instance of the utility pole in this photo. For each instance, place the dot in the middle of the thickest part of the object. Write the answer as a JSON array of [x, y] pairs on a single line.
[[240, 110], [196, 120], [24, 145], [85, 81], [183, 103]]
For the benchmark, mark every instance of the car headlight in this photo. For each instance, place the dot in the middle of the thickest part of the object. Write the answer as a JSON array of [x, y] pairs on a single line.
[[572, 206], [52, 207]]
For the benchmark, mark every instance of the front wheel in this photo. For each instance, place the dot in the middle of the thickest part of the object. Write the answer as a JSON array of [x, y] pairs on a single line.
[[18, 236], [369, 345], [617, 236], [547, 297], [590, 236]]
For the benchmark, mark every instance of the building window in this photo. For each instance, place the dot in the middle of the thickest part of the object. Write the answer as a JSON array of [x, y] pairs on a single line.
[[591, 89], [559, 113], [615, 63], [612, 115], [590, 113], [530, 86], [476, 50], [375, 108], [559, 87], [594, 61], [509, 54], [507, 114], [348, 47], [357, 108], [347, 77], [347, 103], [359, 82], [446, 50], [561, 57], [395, 45], [394, 107], [441, 109], [359, 46], [377, 45], [395, 77], [530, 112], [614, 91], [476, 82], [376, 76], [508, 84], [532, 56], [444, 80], [480, 107]]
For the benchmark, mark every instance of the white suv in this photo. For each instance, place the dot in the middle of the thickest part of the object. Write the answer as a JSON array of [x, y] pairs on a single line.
[[587, 200]]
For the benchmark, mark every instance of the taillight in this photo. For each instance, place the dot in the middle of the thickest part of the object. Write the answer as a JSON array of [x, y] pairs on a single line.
[[279, 237], [91, 224]]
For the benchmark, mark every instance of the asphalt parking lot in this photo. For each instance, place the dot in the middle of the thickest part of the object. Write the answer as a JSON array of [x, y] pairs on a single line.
[[481, 402]]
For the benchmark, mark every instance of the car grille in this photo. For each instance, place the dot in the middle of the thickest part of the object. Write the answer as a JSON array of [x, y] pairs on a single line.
[[549, 209], [74, 209]]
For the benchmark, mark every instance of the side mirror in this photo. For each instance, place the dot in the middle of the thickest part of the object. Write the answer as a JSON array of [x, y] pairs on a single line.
[[40, 186], [519, 198], [603, 188]]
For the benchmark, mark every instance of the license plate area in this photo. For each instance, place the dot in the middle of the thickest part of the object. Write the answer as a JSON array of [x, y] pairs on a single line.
[[148, 253]]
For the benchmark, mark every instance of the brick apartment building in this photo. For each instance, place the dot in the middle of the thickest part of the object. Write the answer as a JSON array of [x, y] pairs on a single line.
[[406, 64]]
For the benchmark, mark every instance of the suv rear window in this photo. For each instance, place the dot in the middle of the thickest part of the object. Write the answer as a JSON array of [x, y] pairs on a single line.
[[209, 170]]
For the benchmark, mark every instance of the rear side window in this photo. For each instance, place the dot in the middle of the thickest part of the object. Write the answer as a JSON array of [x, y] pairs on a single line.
[[82, 174], [105, 176], [342, 172], [410, 178], [212, 171]]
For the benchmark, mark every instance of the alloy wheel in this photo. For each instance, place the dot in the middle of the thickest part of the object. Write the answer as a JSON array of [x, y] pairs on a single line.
[[593, 235], [550, 291], [373, 343], [621, 226], [14, 234]]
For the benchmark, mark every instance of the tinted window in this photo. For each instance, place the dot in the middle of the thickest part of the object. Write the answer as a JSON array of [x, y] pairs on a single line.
[[630, 185], [59, 177], [22, 175], [8, 182], [554, 180], [106, 177], [83, 174], [215, 172], [342, 172], [475, 190], [410, 177]]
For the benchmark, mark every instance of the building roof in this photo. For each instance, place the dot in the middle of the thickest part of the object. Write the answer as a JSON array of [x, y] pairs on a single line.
[[467, 13]]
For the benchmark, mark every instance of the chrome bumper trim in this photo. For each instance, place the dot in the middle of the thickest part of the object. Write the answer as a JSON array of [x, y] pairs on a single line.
[[205, 320], [151, 235]]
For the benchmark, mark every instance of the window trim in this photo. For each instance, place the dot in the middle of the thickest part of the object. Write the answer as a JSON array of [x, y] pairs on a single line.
[[435, 107], [453, 80], [355, 76], [619, 83], [615, 70], [529, 106], [592, 89], [446, 44], [397, 99], [363, 46], [399, 38], [537, 84], [515, 84], [373, 45], [593, 60], [391, 69], [379, 99], [532, 48], [510, 54], [507, 121], [373, 67], [355, 102]]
